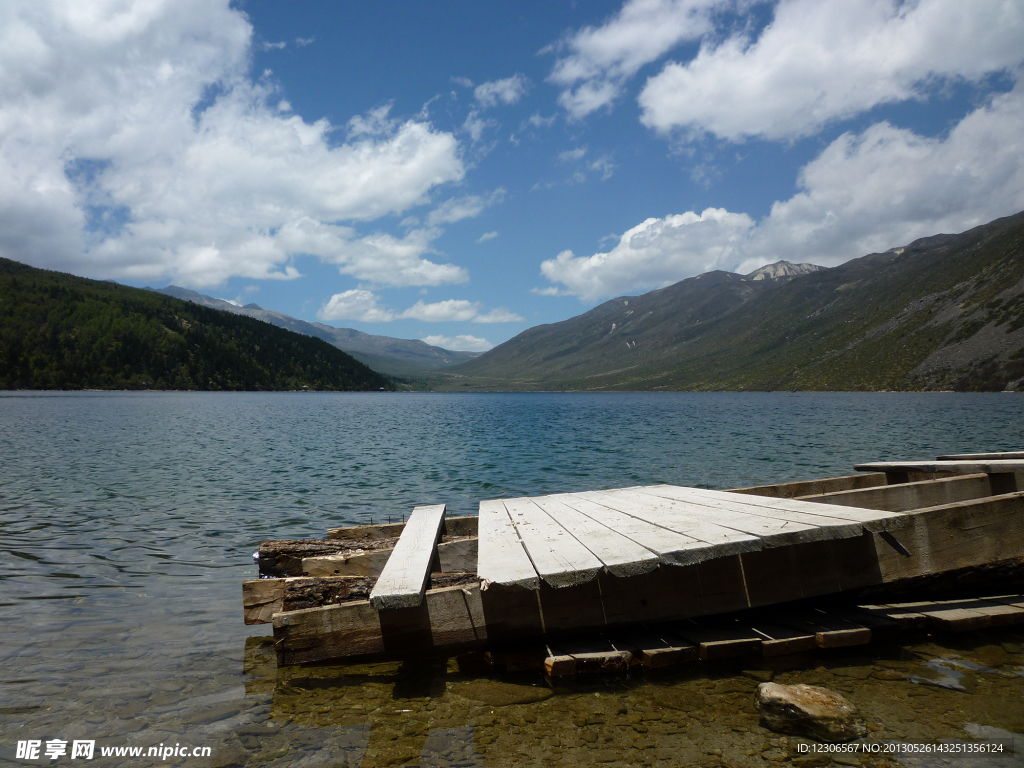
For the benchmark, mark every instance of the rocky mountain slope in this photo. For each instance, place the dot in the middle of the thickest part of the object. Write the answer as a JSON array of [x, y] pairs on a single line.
[[945, 312]]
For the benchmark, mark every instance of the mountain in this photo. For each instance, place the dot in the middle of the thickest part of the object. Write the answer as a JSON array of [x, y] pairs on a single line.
[[395, 357], [58, 331], [945, 312]]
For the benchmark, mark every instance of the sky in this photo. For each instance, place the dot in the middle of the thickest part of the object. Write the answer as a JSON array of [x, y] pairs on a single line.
[[461, 171]]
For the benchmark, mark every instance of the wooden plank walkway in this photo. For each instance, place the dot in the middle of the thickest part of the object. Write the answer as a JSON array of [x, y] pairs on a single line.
[[569, 539]]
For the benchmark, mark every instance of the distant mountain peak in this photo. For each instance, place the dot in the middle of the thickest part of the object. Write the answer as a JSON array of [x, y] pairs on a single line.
[[783, 270]]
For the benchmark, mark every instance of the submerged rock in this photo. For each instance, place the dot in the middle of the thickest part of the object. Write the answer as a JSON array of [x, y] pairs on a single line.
[[808, 710]]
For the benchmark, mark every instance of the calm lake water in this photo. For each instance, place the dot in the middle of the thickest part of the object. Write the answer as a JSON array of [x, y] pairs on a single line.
[[129, 520]]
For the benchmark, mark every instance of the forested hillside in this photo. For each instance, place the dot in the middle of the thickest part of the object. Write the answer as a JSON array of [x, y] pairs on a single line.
[[58, 331]]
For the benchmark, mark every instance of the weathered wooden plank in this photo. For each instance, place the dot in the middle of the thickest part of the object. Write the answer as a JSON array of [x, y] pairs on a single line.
[[559, 558], [813, 487], [620, 555], [284, 557], [968, 614], [262, 598], [459, 556], [502, 558], [981, 456], [839, 521], [593, 655], [671, 548], [956, 466], [829, 632], [404, 579], [654, 651], [770, 530], [952, 536], [719, 540], [715, 641], [356, 533], [778, 640], [449, 620], [904, 497]]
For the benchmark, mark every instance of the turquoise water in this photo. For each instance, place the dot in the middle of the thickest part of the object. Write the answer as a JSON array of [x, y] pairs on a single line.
[[129, 519]]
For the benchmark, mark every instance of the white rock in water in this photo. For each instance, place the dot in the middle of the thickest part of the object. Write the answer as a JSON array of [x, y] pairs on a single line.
[[808, 710]]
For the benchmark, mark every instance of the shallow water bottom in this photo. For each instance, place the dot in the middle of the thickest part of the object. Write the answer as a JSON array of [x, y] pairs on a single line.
[[431, 714]]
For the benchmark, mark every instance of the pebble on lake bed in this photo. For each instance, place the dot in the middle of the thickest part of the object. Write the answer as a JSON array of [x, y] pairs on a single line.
[[808, 710]]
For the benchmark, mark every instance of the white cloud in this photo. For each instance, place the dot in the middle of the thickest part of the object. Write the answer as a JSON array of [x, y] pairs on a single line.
[[536, 121], [134, 143], [451, 310], [361, 304], [595, 62], [866, 192], [475, 125], [821, 61], [459, 208], [572, 155], [887, 186], [465, 82], [356, 304], [486, 236], [500, 315], [459, 343], [302, 42], [507, 91], [655, 253]]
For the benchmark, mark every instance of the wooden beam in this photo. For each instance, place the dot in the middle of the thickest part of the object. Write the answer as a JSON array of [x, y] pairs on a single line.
[[981, 456], [814, 487], [449, 620], [453, 526], [404, 579], [458, 556], [904, 497]]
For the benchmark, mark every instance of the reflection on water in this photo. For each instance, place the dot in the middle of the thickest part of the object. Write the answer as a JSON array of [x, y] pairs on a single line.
[[128, 521]]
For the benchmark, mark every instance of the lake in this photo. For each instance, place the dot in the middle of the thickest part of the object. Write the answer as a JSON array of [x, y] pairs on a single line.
[[129, 521]]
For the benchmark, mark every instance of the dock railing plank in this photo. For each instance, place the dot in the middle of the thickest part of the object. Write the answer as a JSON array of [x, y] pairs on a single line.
[[560, 559], [403, 581], [502, 558], [620, 555]]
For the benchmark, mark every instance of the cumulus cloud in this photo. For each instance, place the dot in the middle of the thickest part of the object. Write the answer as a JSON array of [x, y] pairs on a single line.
[[865, 192], [507, 91], [442, 311], [653, 254], [818, 62], [357, 304], [594, 63], [361, 304], [135, 143], [459, 343]]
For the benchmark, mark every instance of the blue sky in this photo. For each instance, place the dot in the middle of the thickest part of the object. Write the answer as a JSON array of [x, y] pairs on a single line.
[[461, 171]]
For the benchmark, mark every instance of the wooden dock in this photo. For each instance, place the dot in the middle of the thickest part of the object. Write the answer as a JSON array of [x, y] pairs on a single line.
[[543, 568]]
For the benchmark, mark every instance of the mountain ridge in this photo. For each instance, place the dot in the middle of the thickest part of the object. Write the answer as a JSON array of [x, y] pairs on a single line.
[[389, 355], [944, 312]]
